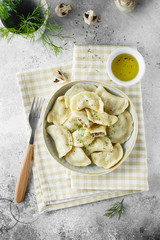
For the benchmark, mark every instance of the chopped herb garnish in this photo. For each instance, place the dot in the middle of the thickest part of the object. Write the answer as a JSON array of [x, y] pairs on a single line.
[[78, 126], [108, 135], [94, 114], [107, 142], [90, 121], [69, 145]]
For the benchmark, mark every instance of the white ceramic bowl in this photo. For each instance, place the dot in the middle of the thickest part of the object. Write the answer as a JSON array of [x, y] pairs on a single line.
[[136, 55], [91, 169]]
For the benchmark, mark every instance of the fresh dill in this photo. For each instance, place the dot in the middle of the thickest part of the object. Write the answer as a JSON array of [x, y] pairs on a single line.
[[8, 6], [29, 24], [95, 115], [110, 123], [107, 141], [117, 207], [69, 145], [108, 135], [79, 126]]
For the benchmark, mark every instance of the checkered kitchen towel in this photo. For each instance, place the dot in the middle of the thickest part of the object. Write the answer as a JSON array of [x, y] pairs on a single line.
[[57, 188]]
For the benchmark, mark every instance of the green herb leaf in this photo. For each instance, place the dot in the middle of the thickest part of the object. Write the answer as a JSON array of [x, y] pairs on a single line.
[[116, 208], [30, 24], [8, 6]]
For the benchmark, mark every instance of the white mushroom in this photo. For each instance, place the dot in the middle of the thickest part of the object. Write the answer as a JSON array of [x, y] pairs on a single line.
[[59, 78], [62, 9], [90, 17], [125, 6]]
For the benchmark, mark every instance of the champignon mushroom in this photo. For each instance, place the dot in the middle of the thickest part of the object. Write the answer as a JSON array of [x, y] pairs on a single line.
[[58, 77], [62, 9], [125, 6], [90, 17]]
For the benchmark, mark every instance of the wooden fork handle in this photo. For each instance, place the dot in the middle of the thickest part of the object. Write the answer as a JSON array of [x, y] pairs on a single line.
[[22, 180]]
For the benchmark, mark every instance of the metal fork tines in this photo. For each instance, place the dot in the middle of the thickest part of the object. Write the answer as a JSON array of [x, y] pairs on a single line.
[[35, 115]]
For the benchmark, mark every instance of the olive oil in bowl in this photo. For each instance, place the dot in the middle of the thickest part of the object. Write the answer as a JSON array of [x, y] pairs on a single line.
[[125, 67]]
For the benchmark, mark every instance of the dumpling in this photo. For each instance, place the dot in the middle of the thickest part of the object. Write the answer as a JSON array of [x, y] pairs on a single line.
[[59, 112], [73, 123], [86, 100], [77, 157], [101, 118], [112, 104], [98, 145], [82, 137], [77, 120], [82, 117], [108, 159], [122, 129], [62, 138], [97, 130], [77, 88]]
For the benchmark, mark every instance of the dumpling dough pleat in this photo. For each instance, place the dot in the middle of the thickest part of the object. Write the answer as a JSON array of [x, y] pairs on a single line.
[[100, 144], [108, 159], [82, 117], [62, 138], [73, 123], [97, 130], [59, 112], [77, 157], [86, 100], [122, 129], [112, 104], [82, 137], [101, 118], [80, 87], [77, 120]]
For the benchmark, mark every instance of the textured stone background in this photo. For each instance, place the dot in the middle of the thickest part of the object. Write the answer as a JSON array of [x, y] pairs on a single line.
[[142, 217]]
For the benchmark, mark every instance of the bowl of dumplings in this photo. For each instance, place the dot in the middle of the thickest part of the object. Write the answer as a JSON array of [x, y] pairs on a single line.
[[89, 127]]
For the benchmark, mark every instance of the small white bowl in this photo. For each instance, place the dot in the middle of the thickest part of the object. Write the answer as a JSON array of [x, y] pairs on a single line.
[[136, 55], [38, 33]]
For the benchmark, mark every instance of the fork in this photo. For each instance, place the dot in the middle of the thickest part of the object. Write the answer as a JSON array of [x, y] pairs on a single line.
[[35, 119]]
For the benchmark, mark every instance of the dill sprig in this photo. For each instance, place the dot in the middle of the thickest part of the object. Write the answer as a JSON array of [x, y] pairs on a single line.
[[117, 207], [52, 31], [34, 20], [31, 23], [8, 6]]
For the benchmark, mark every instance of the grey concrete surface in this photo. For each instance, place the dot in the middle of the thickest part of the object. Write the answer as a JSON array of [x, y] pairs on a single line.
[[142, 217]]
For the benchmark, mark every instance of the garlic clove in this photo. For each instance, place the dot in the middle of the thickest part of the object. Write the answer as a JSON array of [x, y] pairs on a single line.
[[59, 78], [125, 6], [90, 17], [62, 9]]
